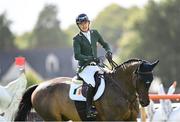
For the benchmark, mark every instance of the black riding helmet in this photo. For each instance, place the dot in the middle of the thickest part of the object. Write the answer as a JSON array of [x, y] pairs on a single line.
[[82, 17]]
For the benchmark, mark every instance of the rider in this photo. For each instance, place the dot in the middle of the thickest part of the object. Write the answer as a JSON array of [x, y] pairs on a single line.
[[85, 51]]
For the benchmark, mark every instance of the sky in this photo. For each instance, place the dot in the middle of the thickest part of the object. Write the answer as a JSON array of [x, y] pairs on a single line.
[[24, 13]]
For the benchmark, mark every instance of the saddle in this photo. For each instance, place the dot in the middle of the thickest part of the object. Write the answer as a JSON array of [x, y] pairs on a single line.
[[78, 88]]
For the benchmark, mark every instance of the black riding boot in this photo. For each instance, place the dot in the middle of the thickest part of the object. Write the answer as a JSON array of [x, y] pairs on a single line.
[[91, 111]]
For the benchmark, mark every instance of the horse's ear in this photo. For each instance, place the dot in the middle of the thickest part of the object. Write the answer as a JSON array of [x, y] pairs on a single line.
[[154, 63]]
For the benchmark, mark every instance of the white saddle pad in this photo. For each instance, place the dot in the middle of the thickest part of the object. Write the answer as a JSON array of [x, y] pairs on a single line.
[[75, 92]]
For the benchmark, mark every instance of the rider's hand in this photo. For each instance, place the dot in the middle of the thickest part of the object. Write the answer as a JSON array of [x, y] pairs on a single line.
[[109, 55]]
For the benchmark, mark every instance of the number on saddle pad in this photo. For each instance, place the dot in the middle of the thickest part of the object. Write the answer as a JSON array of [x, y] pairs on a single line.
[[75, 92]]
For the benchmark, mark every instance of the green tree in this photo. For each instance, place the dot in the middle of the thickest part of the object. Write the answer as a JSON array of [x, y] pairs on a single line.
[[47, 32], [24, 41], [110, 22], [158, 38], [32, 79], [71, 32], [6, 36], [130, 41], [160, 32]]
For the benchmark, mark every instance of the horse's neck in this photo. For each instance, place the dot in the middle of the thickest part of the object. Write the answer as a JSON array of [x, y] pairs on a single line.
[[118, 84], [124, 78], [115, 96]]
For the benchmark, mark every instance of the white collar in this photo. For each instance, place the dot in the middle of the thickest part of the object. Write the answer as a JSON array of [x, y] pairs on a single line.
[[85, 33]]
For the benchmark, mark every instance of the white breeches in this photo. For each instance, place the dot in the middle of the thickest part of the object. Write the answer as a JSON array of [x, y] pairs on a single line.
[[88, 74]]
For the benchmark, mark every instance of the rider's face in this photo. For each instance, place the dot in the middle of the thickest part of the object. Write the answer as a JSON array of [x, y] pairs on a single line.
[[84, 26]]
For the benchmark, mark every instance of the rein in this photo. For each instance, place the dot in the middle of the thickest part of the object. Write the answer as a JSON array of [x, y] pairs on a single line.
[[114, 65], [125, 95], [128, 97]]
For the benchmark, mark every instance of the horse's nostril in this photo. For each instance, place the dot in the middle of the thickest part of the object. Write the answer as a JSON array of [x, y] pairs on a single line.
[[144, 103]]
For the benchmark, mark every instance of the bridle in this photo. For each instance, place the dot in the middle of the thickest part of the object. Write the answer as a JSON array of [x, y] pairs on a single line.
[[130, 99], [139, 74]]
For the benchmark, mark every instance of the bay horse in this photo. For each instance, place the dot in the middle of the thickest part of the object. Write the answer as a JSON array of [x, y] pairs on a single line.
[[119, 101]]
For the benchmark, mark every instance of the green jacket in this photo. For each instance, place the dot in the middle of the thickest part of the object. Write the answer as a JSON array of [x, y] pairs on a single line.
[[85, 51]]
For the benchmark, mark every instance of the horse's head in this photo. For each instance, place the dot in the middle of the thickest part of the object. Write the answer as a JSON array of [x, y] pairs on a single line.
[[143, 77]]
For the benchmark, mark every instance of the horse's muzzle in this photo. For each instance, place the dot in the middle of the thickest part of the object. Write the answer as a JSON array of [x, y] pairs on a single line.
[[144, 103]]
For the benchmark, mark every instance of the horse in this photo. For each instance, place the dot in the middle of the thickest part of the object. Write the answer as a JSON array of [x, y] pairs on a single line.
[[10, 96], [119, 101]]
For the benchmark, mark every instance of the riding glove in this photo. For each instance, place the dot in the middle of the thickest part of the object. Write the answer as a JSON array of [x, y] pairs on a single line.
[[97, 60], [109, 55]]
